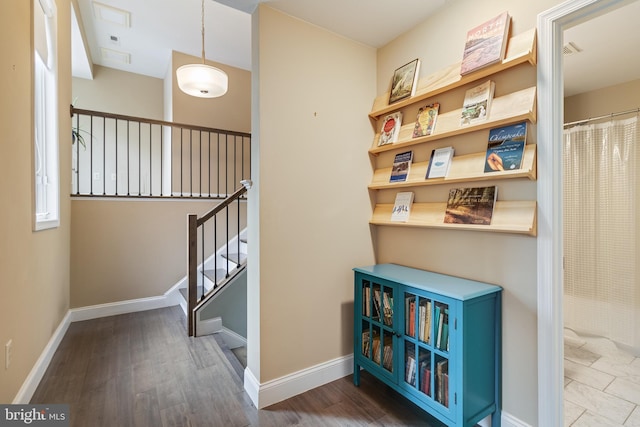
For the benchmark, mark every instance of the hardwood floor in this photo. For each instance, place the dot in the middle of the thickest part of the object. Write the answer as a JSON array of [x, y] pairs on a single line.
[[141, 369]]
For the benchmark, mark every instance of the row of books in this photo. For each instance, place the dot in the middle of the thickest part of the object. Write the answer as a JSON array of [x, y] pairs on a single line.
[[470, 205], [424, 319], [373, 344], [475, 109], [423, 371], [385, 306], [505, 151], [484, 45]]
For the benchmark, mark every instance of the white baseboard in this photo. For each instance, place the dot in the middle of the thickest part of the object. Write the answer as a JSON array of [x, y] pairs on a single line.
[[509, 420], [208, 326], [30, 384], [232, 338], [120, 307], [283, 388]]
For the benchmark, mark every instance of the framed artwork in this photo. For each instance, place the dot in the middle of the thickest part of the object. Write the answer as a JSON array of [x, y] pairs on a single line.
[[403, 84]]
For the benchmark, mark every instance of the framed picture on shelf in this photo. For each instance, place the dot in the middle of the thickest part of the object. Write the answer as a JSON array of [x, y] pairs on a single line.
[[403, 84]]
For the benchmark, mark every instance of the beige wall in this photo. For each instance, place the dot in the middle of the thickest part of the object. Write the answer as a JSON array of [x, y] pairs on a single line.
[[310, 199], [124, 249], [119, 92], [601, 102], [34, 266], [503, 259], [229, 112]]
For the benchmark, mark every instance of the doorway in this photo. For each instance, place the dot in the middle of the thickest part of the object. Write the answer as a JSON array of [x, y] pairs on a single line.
[[551, 25]]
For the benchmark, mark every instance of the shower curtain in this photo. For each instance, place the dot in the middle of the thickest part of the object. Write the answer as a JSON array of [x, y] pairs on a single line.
[[601, 295]]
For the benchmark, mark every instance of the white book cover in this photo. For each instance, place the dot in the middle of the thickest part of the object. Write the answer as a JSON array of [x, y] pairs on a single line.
[[440, 162], [477, 103], [402, 206]]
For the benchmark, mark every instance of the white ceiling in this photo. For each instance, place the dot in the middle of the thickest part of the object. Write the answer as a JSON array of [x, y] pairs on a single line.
[[610, 43], [610, 47], [157, 28]]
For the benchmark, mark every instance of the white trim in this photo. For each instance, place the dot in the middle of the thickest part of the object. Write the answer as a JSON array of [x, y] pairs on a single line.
[[120, 307], [509, 420], [232, 338], [208, 326], [551, 25], [283, 388], [30, 384]]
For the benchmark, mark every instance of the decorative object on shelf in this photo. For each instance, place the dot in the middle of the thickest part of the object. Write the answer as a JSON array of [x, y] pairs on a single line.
[[202, 80], [505, 149], [390, 128], [472, 205], [401, 166], [426, 120], [486, 44], [404, 82], [402, 206], [440, 162], [477, 103]]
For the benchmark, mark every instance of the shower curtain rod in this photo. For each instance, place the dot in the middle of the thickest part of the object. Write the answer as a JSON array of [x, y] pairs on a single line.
[[590, 119]]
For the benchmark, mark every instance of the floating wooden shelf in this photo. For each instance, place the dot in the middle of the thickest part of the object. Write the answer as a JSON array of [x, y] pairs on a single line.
[[505, 110], [517, 217], [520, 49], [467, 168]]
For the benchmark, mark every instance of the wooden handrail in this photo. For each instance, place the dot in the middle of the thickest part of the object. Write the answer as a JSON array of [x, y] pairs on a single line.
[[73, 110], [192, 275]]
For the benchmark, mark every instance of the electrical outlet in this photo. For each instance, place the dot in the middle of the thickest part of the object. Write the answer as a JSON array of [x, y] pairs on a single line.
[[96, 176], [8, 350]]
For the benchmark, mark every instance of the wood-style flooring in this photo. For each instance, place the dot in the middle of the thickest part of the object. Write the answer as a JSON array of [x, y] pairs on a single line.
[[141, 369]]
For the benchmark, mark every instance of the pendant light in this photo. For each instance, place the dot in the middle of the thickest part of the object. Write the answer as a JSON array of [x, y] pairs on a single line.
[[202, 80]]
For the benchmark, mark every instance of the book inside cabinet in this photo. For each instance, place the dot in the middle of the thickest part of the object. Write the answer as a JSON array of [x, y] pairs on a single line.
[[433, 338]]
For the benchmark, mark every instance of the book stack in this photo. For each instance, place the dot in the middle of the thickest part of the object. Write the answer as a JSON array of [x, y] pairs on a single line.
[[442, 327], [424, 313], [442, 382]]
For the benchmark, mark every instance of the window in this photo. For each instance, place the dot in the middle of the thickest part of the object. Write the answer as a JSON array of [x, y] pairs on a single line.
[[45, 84]]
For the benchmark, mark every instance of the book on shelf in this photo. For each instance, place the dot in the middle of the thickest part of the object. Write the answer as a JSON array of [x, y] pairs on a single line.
[[473, 205], [425, 376], [439, 162], [410, 370], [401, 166], [390, 128], [505, 149], [410, 315], [402, 206], [387, 308], [404, 81], [477, 103], [425, 320], [486, 44], [442, 382], [426, 120]]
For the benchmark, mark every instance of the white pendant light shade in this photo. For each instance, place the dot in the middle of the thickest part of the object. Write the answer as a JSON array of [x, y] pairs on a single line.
[[201, 80]]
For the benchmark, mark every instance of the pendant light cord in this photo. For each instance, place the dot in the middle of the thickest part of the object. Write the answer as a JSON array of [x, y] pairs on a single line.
[[203, 31]]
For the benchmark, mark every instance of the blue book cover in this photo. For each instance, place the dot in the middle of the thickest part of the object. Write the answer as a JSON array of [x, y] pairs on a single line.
[[505, 149], [401, 166]]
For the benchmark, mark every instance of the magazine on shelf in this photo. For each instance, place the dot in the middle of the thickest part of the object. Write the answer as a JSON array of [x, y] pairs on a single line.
[[486, 44], [426, 120], [472, 205], [477, 103], [390, 128], [401, 166], [402, 206], [505, 149], [440, 162]]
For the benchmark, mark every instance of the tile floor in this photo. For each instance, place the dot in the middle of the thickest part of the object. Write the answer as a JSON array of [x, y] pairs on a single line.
[[601, 383]]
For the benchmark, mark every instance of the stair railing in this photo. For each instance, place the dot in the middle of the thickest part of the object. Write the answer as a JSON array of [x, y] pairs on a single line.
[[197, 249]]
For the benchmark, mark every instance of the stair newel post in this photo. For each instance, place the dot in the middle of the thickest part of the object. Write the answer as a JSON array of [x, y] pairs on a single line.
[[192, 271]]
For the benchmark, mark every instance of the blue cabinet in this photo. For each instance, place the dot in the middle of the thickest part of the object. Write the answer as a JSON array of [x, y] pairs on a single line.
[[434, 338]]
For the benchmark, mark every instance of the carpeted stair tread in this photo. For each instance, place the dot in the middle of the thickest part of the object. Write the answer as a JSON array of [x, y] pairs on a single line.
[[215, 275], [233, 257]]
